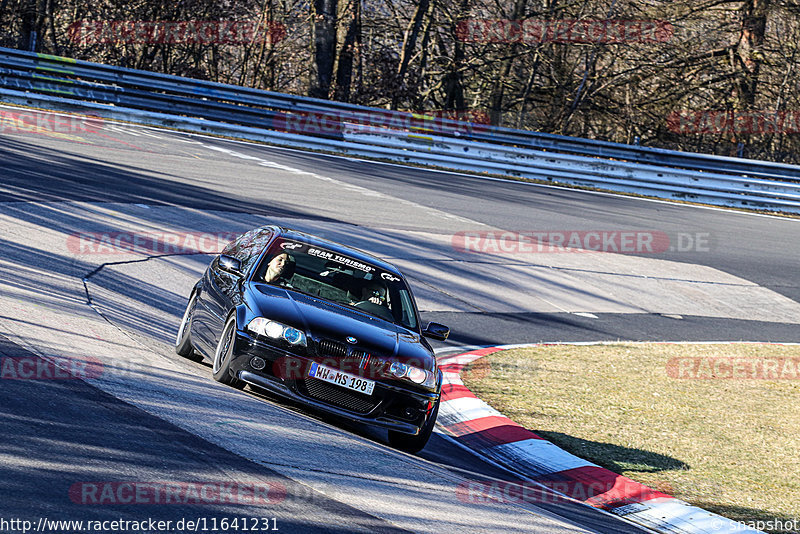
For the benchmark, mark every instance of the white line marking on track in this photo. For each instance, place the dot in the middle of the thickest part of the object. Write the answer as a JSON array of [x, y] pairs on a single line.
[[344, 185], [505, 180], [453, 172]]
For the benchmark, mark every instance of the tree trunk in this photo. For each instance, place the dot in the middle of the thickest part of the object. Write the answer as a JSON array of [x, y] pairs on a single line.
[[499, 86], [409, 44], [350, 47], [454, 79], [264, 77], [51, 15], [30, 34], [748, 50], [324, 46]]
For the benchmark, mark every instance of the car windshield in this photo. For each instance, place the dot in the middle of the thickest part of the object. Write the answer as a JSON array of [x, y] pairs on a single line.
[[317, 271]]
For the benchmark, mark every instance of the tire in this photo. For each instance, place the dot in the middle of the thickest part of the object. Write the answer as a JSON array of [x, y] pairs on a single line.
[[183, 341], [414, 444], [222, 356]]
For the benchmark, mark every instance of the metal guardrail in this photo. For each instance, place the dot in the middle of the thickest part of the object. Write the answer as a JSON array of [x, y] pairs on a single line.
[[154, 98]]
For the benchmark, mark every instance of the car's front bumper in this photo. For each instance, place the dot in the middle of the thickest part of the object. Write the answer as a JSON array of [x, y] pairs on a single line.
[[390, 406]]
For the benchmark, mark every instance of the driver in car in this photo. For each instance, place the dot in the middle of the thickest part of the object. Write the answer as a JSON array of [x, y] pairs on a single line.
[[374, 293], [281, 266]]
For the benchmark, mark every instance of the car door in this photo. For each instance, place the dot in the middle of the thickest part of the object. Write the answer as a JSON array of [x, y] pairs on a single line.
[[222, 289]]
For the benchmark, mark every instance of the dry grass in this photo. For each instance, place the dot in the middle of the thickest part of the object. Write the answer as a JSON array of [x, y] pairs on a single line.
[[731, 446]]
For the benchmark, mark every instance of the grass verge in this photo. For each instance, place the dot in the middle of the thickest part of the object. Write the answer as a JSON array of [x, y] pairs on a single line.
[[687, 419]]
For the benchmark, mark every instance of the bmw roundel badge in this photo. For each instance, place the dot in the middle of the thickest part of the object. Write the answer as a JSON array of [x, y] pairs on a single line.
[[351, 340]]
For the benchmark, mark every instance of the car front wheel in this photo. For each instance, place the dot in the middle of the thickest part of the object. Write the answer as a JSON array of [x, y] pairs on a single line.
[[224, 353], [183, 341]]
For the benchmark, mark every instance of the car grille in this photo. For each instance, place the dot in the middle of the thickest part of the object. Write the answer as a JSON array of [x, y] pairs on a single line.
[[330, 394], [364, 364], [351, 360], [326, 347]]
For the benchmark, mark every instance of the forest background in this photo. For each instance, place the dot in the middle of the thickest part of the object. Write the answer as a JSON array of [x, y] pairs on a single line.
[[714, 76]]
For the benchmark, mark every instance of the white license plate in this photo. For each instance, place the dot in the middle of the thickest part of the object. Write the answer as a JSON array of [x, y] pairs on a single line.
[[340, 378]]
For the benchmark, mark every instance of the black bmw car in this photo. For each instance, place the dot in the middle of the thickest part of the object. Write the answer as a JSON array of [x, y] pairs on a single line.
[[326, 325]]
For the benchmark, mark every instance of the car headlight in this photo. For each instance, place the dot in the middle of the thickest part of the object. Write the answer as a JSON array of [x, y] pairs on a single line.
[[414, 374], [398, 369], [276, 330]]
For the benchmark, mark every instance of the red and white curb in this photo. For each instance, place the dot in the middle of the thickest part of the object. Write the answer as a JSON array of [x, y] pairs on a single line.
[[481, 428]]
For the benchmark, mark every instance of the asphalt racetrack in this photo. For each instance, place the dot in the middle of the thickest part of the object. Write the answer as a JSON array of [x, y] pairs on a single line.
[[148, 417]]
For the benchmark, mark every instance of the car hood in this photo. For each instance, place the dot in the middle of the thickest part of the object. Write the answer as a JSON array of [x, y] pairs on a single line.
[[322, 319]]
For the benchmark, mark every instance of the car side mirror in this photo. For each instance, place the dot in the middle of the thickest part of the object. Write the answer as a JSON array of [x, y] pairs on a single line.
[[229, 264], [436, 331]]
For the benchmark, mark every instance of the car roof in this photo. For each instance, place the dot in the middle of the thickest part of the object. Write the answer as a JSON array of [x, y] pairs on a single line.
[[335, 247]]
